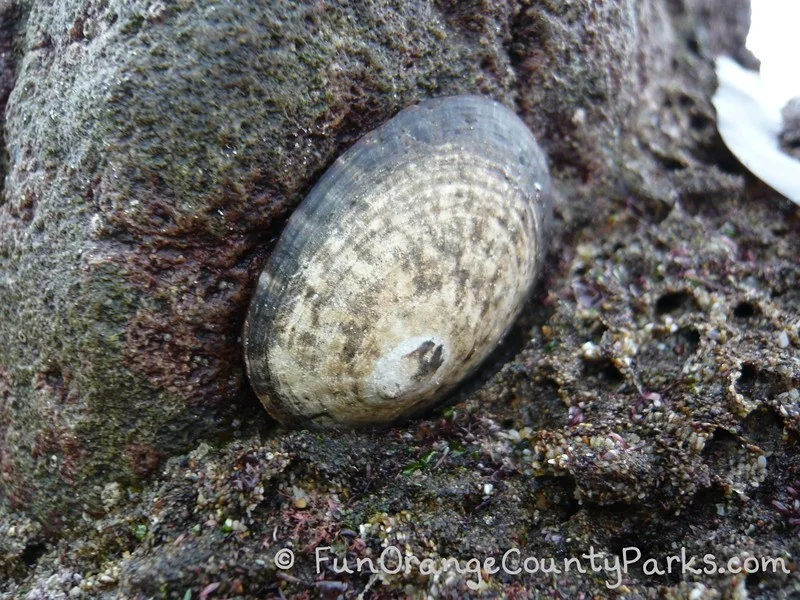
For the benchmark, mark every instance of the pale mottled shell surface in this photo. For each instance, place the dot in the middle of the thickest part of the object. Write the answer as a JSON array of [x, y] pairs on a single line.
[[403, 268]]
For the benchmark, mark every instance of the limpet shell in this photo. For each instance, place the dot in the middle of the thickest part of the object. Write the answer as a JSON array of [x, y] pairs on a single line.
[[403, 268], [749, 123]]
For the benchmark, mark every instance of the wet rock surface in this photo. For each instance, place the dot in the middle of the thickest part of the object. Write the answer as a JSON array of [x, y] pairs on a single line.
[[649, 398]]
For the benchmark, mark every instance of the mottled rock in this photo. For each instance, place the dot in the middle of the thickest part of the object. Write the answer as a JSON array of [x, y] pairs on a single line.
[[155, 149], [153, 153]]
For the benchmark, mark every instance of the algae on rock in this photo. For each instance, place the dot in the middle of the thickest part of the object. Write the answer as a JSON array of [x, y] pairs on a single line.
[[154, 150]]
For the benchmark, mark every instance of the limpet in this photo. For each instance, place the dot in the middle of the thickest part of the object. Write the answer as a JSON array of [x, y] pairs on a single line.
[[402, 269]]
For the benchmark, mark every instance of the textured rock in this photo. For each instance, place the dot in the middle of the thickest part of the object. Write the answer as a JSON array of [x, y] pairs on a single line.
[[790, 134], [155, 149], [153, 153], [651, 400]]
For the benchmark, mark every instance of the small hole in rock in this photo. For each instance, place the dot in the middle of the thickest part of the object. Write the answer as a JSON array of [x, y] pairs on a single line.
[[555, 498], [758, 383], [674, 302], [604, 370], [691, 336], [32, 553], [744, 310], [752, 580], [705, 500], [596, 332], [722, 446], [686, 342], [672, 164], [699, 122], [747, 379]]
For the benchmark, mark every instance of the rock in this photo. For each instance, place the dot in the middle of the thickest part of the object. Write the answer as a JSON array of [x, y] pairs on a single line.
[[155, 149], [790, 134]]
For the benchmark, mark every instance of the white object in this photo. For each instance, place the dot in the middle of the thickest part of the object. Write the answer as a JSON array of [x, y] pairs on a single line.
[[750, 123]]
